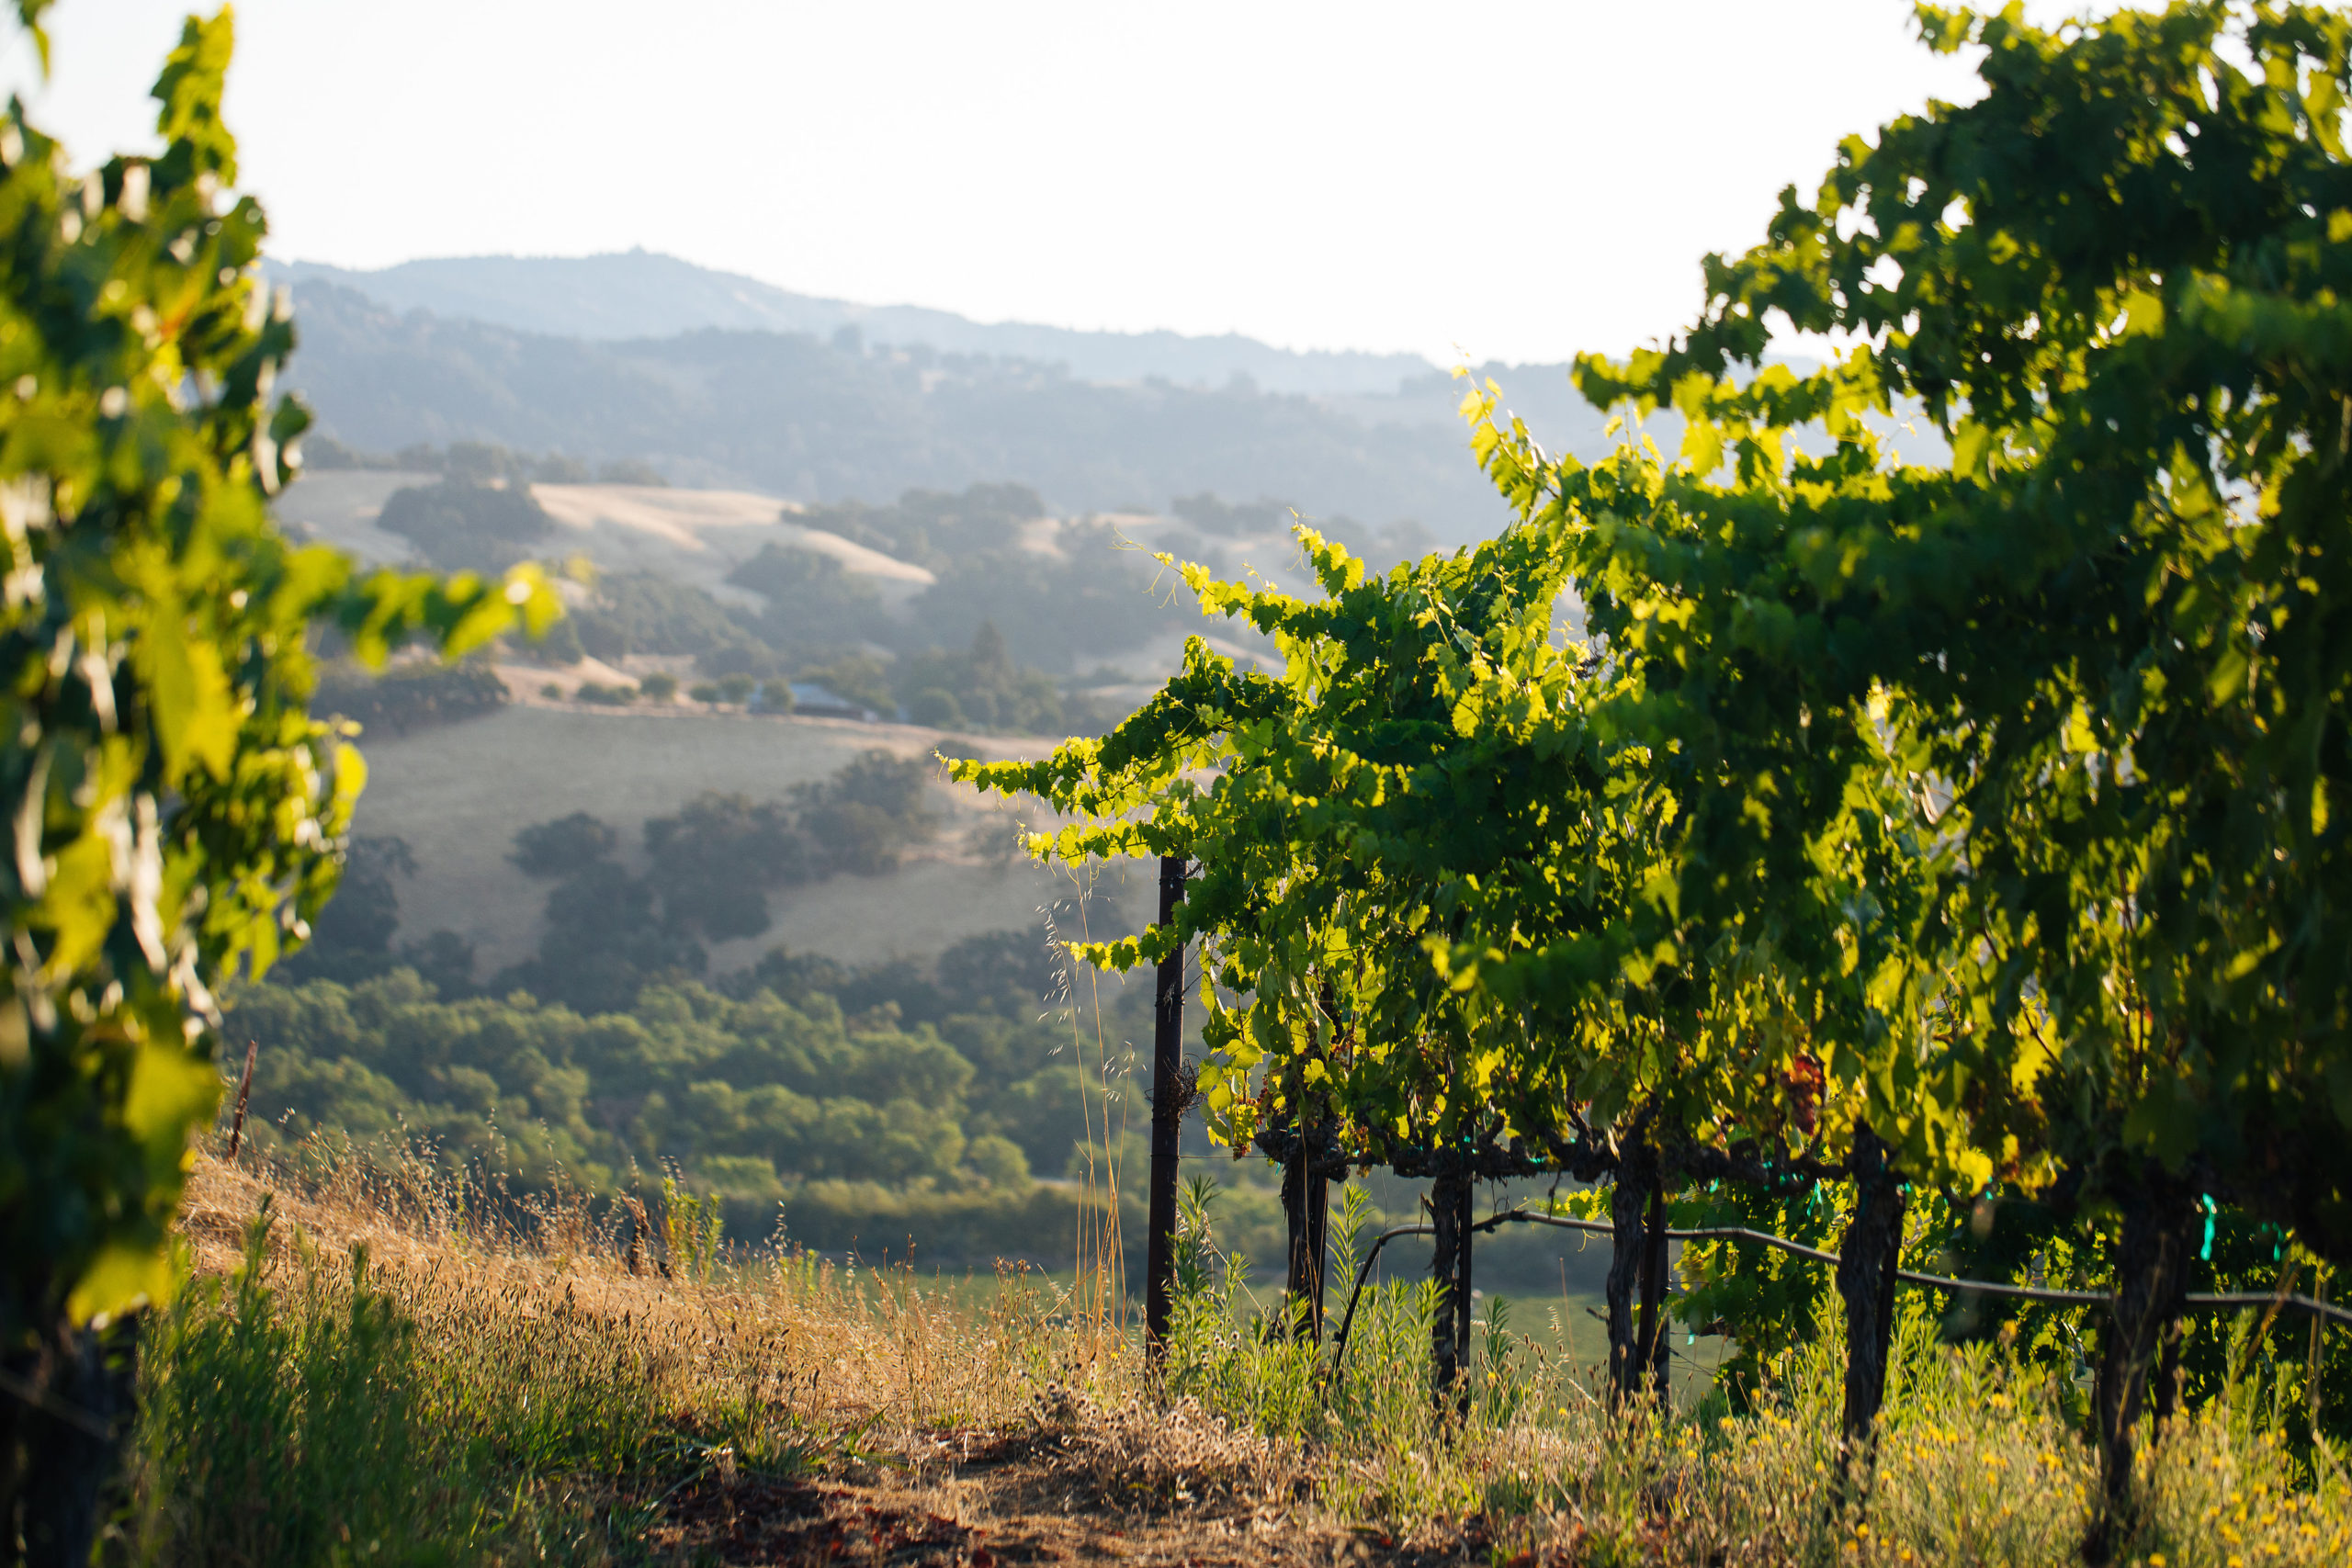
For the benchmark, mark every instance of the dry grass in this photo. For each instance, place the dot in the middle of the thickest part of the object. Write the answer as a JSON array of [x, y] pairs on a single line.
[[530, 1281], [785, 1409], [789, 1410]]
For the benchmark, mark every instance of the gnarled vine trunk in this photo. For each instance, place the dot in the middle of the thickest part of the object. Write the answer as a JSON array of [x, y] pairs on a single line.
[[1306, 1206], [1630, 1200], [1658, 1339], [1449, 1214], [2151, 1278], [1867, 1261]]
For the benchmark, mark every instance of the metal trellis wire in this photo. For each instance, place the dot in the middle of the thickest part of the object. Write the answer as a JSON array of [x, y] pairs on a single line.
[[2228, 1300]]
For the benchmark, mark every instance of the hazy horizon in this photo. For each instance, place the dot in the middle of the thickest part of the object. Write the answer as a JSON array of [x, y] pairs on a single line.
[[1542, 183]]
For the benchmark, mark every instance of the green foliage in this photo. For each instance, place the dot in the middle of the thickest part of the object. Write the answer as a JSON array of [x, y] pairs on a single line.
[[563, 847], [860, 677], [1856, 739], [1092, 599], [797, 1075], [980, 690], [811, 601], [281, 1429], [414, 694], [643, 612], [714, 862], [930, 527], [2110, 633], [462, 526], [179, 816], [692, 1232], [1421, 781]]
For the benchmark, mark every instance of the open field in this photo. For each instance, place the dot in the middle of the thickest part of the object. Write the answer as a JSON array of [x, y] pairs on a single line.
[[377, 1366], [694, 536], [457, 793]]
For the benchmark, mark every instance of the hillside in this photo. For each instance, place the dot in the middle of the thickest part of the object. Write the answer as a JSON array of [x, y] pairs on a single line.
[[640, 294], [460, 793], [694, 536], [816, 420]]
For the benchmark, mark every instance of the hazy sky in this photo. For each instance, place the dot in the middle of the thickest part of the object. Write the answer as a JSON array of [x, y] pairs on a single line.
[[1518, 181]]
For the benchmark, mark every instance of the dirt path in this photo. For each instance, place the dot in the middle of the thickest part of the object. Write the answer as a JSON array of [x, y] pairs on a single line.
[[1013, 1502]]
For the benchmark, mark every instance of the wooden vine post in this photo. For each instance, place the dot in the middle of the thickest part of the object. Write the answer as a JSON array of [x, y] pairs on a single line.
[[1629, 1196], [1866, 1269], [1166, 1124], [1306, 1208], [1307, 1188], [1451, 1215], [2152, 1279]]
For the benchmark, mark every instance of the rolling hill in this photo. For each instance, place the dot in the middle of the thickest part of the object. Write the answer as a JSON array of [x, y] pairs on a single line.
[[819, 420], [457, 793]]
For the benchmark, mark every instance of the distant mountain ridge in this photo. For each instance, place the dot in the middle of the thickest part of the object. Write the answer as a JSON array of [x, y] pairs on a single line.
[[815, 419], [644, 294]]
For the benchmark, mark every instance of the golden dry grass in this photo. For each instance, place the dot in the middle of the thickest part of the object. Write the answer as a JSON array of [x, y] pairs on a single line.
[[791, 1410], [823, 1412]]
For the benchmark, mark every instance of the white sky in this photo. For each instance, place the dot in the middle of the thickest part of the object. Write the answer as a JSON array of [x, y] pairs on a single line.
[[1518, 181]]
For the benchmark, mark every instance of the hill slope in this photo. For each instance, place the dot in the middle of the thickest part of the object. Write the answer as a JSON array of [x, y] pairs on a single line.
[[797, 417], [459, 794], [640, 294]]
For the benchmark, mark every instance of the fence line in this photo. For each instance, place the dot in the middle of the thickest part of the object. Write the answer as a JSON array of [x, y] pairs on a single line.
[[2230, 1299]]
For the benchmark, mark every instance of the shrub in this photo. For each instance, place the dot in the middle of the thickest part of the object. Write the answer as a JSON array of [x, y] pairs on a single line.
[[934, 706], [409, 697], [466, 527], [563, 847], [998, 1161]]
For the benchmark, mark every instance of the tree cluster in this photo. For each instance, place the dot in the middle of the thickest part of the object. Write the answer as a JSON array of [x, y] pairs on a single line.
[[710, 870], [413, 695], [793, 1073]]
